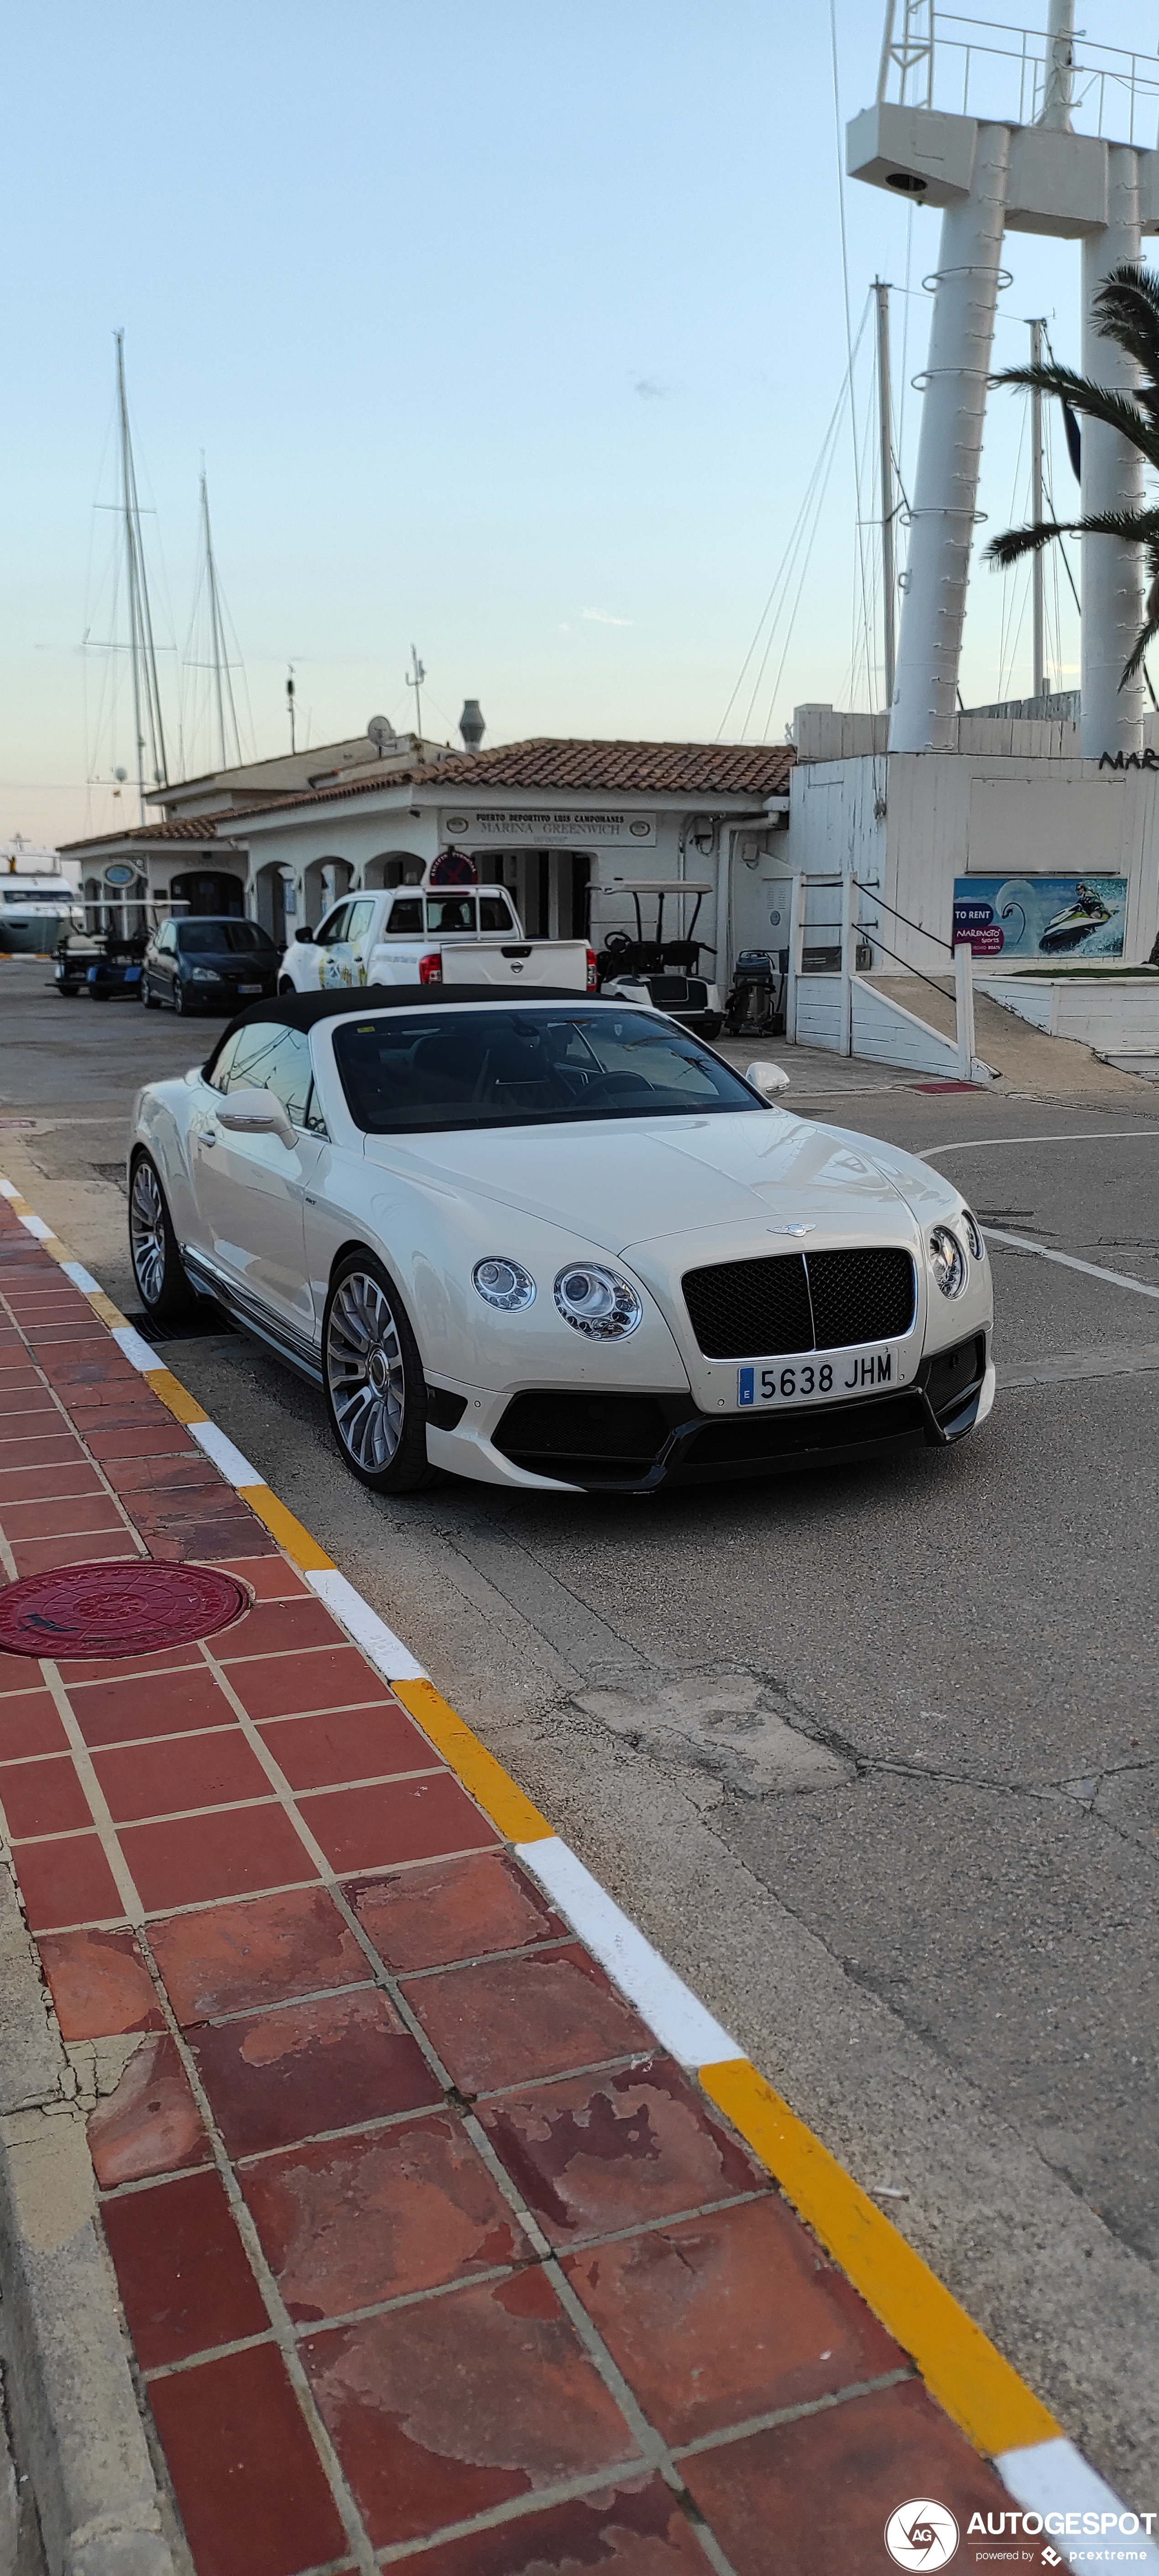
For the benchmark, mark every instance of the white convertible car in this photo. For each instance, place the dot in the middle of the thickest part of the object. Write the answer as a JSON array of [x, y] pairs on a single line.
[[556, 1244]]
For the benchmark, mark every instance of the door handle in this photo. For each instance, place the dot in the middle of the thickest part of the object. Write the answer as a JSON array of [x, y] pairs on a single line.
[[209, 1136]]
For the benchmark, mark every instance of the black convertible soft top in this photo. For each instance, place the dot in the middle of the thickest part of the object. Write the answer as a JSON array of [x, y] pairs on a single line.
[[302, 1010]]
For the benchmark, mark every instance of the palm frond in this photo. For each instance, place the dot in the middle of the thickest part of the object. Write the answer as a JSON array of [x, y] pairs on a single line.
[[1127, 305], [1100, 402], [1138, 527]]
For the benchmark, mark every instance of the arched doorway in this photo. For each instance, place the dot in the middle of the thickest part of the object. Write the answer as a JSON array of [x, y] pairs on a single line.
[[324, 882], [271, 902], [208, 890], [393, 868]]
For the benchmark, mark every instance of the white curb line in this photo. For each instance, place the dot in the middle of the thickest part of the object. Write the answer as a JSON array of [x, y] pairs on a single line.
[[394, 1660], [681, 2023], [1053, 2478]]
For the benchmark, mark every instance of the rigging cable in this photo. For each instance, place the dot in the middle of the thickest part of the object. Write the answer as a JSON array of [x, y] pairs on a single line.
[[784, 574]]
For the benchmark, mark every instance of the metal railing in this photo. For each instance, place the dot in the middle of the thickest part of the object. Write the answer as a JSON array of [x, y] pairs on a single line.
[[937, 58]]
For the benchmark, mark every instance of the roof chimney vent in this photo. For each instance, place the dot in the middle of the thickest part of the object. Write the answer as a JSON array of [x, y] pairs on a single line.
[[471, 724]]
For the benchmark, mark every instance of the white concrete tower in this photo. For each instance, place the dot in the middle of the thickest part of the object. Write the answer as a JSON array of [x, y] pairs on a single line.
[[1030, 172], [925, 700]]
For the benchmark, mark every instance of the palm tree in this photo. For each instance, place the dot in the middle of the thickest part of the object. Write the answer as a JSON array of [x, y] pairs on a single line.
[[1128, 308]]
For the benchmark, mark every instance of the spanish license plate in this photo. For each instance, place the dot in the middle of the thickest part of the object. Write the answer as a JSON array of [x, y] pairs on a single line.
[[249, 988], [847, 1374]]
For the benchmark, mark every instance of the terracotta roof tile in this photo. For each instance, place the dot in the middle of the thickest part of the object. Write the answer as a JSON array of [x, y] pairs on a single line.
[[183, 827], [702, 771]]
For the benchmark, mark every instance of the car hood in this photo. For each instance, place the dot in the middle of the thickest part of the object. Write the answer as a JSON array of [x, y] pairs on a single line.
[[625, 1183], [260, 961]]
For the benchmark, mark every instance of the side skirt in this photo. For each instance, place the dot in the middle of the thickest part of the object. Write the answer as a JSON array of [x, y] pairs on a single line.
[[254, 1319]]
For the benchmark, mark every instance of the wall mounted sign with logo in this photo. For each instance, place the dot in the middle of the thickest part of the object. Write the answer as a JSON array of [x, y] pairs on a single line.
[[120, 875], [1041, 917], [595, 827]]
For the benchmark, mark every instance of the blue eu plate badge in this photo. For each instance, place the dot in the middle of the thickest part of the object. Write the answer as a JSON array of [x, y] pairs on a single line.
[[745, 1390]]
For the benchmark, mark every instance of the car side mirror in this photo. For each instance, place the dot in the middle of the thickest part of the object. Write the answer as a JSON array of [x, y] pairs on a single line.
[[767, 1078], [305, 935], [252, 1112]]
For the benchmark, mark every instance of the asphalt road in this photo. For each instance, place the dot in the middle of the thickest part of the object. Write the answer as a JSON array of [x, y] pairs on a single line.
[[872, 1755]]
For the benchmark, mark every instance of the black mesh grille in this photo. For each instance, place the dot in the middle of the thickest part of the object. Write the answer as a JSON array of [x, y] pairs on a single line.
[[800, 1302], [742, 1308], [862, 1296]]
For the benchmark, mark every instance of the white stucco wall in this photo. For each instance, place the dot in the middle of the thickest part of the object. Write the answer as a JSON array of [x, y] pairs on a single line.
[[953, 814]]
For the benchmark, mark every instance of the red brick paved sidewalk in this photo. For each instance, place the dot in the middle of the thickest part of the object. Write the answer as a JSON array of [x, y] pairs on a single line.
[[415, 2229]]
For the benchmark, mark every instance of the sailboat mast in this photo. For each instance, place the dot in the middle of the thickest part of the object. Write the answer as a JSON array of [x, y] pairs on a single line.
[[1036, 510], [223, 685], [128, 498], [142, 650]]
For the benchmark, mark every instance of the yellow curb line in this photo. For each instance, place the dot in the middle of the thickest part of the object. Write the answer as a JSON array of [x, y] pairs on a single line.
[[493, 1788], [289, 1533], [979, 2390], [959, 2364]]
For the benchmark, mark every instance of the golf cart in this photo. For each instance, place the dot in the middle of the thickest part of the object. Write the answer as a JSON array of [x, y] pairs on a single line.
[[103, 961], [665, 972]]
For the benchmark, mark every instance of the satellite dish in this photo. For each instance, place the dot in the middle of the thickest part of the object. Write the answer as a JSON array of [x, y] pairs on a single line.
[[381, 731]]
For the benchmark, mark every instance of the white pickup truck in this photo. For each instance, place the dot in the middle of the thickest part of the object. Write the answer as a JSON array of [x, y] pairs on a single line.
[[415, 935]]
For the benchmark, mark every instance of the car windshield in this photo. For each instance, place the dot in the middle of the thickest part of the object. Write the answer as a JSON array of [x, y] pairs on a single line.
[[220, 938], [406, 1073]]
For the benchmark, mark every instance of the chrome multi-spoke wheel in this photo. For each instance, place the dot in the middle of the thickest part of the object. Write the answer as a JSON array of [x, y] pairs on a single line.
[[374, 1380], [147, 1232], [157, 1269], [364, 1371]]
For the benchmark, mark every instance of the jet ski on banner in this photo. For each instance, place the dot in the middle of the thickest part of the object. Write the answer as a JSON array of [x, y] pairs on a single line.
[[1088, 912]]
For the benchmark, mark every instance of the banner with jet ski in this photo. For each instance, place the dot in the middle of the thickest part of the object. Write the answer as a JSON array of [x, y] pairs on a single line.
[[1041, 917]]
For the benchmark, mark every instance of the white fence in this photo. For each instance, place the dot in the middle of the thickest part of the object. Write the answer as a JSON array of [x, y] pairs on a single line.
[[842, 1011]]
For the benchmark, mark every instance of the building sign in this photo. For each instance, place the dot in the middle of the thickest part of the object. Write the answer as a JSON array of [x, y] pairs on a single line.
[[594, 826], [120, 875], [1041, 917]]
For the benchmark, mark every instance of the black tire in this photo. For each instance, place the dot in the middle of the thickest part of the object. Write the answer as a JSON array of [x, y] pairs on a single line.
[[711, 1025], [285, 985], [68, 992], [380, 1426], [179, 1003], [162, 1284], [99, 993], [149, 999]]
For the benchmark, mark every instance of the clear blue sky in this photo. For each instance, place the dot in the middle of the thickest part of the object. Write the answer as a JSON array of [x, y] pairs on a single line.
[[507, 329]]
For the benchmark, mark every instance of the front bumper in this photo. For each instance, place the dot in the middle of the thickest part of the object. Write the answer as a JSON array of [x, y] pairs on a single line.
[[633, 1444]]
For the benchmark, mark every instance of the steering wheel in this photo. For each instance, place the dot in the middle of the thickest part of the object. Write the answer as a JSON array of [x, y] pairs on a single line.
[[616, 942]]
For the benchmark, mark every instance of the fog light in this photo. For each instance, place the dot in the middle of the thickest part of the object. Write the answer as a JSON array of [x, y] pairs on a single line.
[[598, 1302], [947, 1261], [505, 1284]]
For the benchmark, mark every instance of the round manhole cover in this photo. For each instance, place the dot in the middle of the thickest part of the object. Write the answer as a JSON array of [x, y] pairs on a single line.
[[116, 1609]]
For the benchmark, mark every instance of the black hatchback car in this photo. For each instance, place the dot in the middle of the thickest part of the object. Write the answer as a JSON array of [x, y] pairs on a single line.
[[208, 963]]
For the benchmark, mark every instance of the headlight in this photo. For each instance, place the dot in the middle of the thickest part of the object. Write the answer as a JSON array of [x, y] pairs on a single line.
[[505, 1284], [206, 975], [974, 1235], [947, 1261], [598, 1302]]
